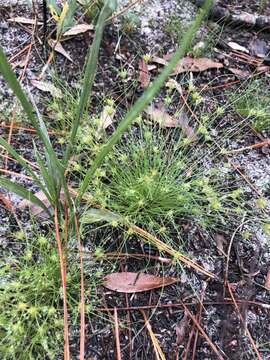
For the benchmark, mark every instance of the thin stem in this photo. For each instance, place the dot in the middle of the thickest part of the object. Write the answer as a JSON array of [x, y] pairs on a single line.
[[64, 284]]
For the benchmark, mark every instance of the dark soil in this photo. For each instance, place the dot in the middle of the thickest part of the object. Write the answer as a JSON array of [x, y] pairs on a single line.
[[249, 263]]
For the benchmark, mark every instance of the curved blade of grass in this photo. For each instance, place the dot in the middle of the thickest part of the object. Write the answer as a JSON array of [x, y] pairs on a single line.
[[146, 98], [14, 84], [23, 163], [37, 122], [96, 215], [22, 192], [90, 72]]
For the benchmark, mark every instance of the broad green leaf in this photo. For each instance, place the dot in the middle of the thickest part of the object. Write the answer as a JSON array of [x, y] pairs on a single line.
[[21, 191]]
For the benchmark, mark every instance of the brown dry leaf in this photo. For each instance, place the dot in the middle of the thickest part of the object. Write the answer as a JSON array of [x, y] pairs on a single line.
[[233, 45], [79, 29], [195, 65], [144, 78], [160, 116], [106, 118], [36, 210], [188, 64], [129, 282], [239, 72], [220, 240], [181, 329], [24, 20], [159, 60], [6, 202], [47, 87], [57, 46], [267, 281]]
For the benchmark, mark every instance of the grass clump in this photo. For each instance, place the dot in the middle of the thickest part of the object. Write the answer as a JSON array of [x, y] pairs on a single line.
[[254, 104], [154, 179], [31, 301]]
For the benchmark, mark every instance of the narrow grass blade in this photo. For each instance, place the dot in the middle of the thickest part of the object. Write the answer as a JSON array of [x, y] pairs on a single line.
[[90, 72], [146, 98], [21, 191], [37, 122], [14, 84]]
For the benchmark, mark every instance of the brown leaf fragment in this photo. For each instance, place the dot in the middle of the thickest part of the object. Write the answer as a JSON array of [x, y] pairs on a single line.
[[267, 281], [159, 60], [220, 240], [24, 20], [195, 65], [160, 116], [36, 210], [6, 202], [144, 77], [47, 87], [58, 47], [239, 72], [129, 282], [181, 329], [258, 48], [235, 46], [106, 118], [78, 29]]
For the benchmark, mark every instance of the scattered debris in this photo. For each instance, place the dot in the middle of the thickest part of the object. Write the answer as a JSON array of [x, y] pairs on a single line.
[[144, 73], [57, 46], [189, 64], [106, 118], [47, 87], [24, 20], [233, 45], [160, 116], [78, 29]]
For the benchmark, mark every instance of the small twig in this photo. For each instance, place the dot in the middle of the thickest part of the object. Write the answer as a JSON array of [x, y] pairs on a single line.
[[230, 248], [254, 146], [117, 335], [31, 130], [9, 172], [64, 284], [82, 330], [158, 351], [211, 344], [180, 305], [244, 323], [199, 319]]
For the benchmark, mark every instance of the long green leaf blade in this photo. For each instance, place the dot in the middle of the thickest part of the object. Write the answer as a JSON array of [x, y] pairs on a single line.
[[57, 171], [90, 72], [146, 98], [22, 192], [23, 163]]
